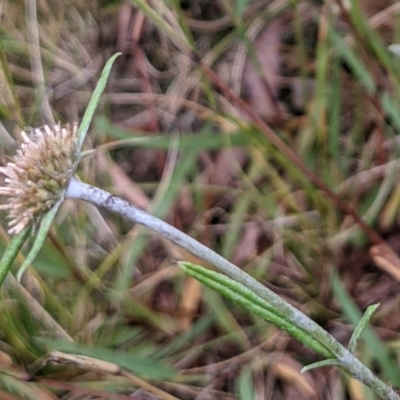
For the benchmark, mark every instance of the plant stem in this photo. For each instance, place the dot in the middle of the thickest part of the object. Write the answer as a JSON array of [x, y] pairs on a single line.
[[101, 198]]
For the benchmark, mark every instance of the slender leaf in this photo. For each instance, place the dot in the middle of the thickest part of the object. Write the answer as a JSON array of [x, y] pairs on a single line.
[[205, 139], [325, 363], [240, 294], [361, 327], [40, 238], [245, 384], [357, 66], [11, 252], [374, 344], [240, 7], [94, 101], [175, 34]]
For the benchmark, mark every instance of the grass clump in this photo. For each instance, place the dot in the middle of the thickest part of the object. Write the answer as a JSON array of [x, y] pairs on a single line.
[[283, 161]]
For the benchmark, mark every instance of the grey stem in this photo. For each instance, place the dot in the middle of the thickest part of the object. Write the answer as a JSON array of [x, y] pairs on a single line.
[[101, 198]]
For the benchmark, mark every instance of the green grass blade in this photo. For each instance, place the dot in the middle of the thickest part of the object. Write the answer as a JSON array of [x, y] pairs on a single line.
[[245, 385], [205, 139], [236, 219], [94, 101], [11, 252], [374, 344], [361, 327], [325, 363], [157, 18], [240, 7], [40, 238], [359, 69]]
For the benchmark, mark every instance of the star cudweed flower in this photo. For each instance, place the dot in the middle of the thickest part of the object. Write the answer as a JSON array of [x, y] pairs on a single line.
[[38, 174]]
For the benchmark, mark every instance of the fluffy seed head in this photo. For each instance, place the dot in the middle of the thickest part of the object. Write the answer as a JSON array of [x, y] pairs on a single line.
[[38, 174]]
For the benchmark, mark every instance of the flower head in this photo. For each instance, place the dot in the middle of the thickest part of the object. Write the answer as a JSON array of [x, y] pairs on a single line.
[[38, 174]]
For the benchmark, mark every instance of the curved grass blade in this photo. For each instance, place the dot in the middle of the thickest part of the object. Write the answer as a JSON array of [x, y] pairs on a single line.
[[374, 345], [352, 343], [94, 101], [325, 363], [157, 18], [40, 237], [361, 326], [11, 252], [240, 294]]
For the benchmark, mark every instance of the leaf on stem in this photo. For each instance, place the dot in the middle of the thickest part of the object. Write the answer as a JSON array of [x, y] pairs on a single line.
[[238, 293], [40, 238], [361, 326], [50, 215], [11, 252], [319, 364], [94, 101]]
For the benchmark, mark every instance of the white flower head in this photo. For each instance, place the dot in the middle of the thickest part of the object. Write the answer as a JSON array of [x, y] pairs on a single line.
[[38, 174]]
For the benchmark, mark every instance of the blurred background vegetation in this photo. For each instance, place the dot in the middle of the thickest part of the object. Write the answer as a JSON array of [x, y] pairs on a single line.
[[320, 74]]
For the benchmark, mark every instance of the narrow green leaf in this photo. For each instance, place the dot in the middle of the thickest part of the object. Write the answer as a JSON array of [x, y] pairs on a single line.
[[238, 293], [355, 64], [374, 344], [245, 384], [40, 238], [391, 108], [361, 326], [240, 7], [184, 339], [157, 17], [11, 252], [205, 139], [325, 363], [94, 101]]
